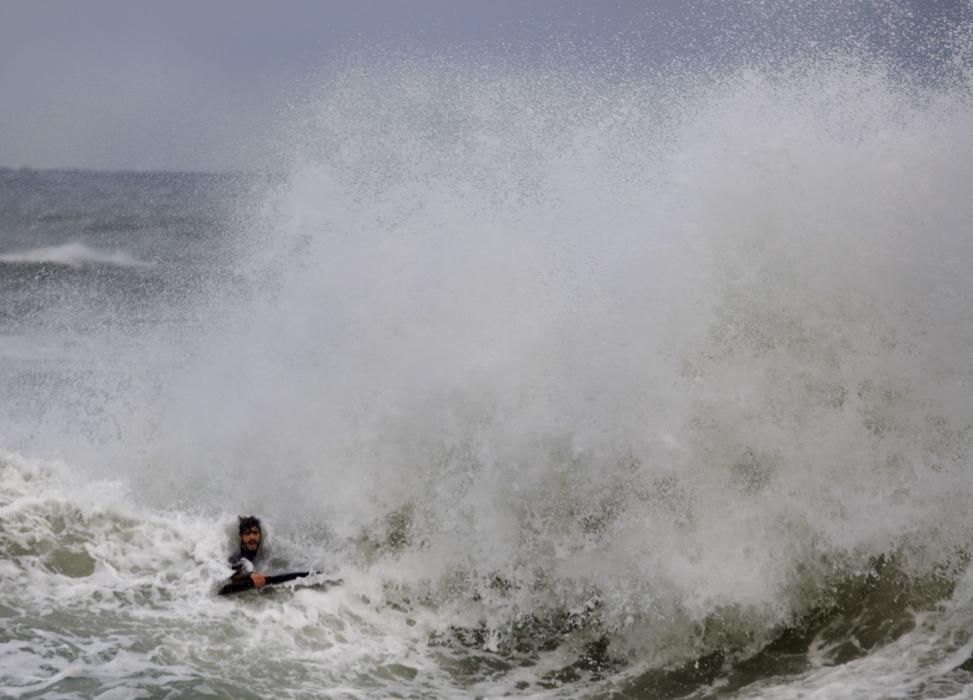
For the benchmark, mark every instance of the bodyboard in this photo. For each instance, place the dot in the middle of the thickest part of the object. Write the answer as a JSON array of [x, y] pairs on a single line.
[[239, 586]]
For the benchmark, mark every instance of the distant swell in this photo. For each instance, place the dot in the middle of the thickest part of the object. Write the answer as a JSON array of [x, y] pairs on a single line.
[[73, 254]]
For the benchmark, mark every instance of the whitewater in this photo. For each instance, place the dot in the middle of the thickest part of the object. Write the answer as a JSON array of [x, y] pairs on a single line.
[[648, 387]]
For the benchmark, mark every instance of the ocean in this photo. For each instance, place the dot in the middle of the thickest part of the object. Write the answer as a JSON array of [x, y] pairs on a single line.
[[652, 387]]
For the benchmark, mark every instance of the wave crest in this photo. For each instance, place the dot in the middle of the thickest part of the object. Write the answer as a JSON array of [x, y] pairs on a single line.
[[74, 254]]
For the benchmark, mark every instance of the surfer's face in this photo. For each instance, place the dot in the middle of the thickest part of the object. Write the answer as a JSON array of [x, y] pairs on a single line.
[[250, 539]]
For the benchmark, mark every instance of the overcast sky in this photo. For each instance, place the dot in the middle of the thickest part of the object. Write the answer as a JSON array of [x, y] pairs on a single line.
[[194, 84]]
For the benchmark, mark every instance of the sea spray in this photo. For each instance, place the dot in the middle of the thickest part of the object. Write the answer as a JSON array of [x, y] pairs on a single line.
[[650, 372], [693, 359]]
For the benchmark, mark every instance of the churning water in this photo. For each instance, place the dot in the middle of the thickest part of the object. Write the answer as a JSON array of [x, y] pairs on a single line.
[[642, 387]]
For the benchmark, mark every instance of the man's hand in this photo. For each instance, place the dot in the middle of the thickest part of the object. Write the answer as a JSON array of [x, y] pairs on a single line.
[[259, 580]]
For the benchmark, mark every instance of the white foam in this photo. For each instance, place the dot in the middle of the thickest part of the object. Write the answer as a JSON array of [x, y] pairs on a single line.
[[143, 616], [74, 254]]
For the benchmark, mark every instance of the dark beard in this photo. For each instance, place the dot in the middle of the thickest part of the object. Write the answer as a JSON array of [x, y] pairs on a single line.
[[250, 554]]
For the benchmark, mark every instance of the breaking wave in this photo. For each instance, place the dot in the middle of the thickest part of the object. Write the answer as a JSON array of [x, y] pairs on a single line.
[[75, 254], [658, 385]]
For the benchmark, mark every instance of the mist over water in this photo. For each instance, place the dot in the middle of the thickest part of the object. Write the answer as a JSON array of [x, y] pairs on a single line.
[[686, 353], [672, 358]]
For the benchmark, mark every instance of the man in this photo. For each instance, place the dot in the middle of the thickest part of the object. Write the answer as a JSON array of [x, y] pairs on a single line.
[[244, 563]]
